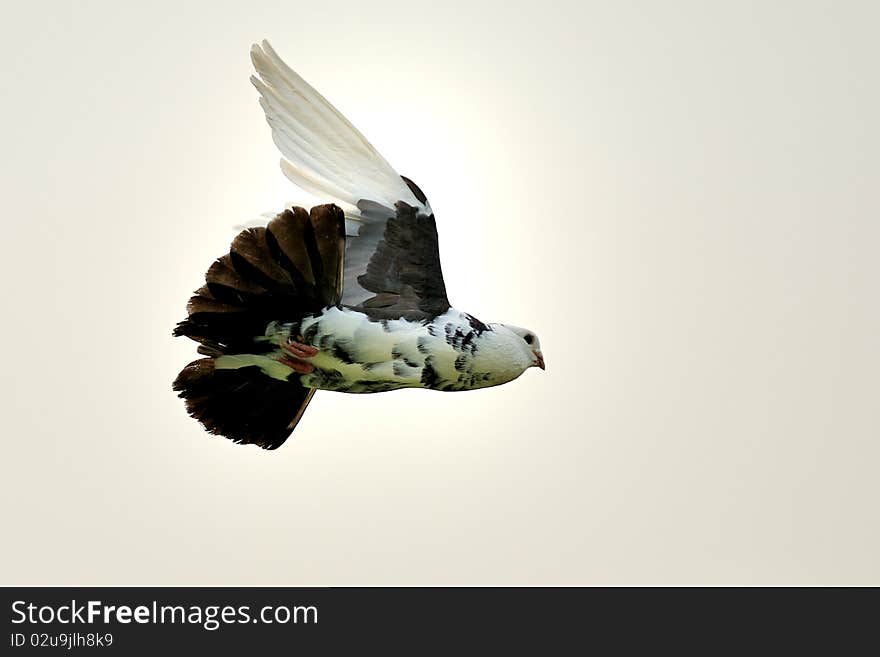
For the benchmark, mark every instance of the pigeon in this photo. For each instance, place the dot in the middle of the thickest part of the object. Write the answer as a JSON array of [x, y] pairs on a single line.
[[347, 296]]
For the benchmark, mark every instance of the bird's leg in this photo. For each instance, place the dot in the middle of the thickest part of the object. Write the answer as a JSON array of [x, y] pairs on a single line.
[[295, 356]]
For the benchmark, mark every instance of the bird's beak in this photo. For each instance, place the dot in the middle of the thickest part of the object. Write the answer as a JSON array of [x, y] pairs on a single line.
[[540, 361]]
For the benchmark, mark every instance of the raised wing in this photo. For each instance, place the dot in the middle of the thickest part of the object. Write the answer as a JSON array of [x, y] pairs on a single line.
[[392, 262]]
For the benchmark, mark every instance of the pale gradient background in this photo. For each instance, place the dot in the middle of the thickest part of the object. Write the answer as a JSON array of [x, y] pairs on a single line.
[[681, 198]]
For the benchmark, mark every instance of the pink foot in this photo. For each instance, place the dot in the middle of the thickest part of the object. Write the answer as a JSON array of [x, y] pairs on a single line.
[[295, 356]]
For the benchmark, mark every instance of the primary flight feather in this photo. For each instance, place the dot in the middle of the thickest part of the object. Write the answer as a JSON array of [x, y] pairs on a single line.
[[348, 296]]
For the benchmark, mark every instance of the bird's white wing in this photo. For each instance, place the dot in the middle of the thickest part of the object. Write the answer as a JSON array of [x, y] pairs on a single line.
[[392, 263], [323, 153]]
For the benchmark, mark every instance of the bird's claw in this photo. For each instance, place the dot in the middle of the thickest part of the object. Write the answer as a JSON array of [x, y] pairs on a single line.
[[295, 355]]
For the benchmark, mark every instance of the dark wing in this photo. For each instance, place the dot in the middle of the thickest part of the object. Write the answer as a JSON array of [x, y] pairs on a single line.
[[392, 263], [392, 267]]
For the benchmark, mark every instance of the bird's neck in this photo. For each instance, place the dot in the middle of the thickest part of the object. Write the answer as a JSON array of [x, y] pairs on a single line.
[[500, 353], [488, 354]]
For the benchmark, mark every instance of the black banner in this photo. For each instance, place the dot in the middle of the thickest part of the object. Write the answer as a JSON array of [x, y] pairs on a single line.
[[229, 620]]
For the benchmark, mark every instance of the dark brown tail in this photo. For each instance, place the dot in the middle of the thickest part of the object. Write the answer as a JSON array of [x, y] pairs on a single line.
[[281, 273]]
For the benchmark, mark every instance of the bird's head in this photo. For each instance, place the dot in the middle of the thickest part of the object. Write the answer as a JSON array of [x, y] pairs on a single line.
[[531, 343]]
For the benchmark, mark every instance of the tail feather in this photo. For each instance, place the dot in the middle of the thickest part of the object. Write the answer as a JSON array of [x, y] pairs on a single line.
[[243, 405], [281, 273]]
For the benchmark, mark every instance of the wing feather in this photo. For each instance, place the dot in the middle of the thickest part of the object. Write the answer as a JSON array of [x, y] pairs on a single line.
[[319, 145], [392, 264]]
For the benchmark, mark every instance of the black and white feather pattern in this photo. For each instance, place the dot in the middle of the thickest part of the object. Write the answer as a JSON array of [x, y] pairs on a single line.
[[392, 259], [354, 286]]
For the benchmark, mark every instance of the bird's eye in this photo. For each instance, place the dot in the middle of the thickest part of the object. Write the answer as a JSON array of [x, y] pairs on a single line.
[[529, 338]]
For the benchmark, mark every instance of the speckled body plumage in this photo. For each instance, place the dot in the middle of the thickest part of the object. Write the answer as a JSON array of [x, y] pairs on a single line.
[[359, 354]]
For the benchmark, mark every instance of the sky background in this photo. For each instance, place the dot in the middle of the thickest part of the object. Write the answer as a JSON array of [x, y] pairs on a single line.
[[680, 198]]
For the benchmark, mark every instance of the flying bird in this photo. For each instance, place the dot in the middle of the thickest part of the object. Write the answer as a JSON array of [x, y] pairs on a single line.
[[347, 296]]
